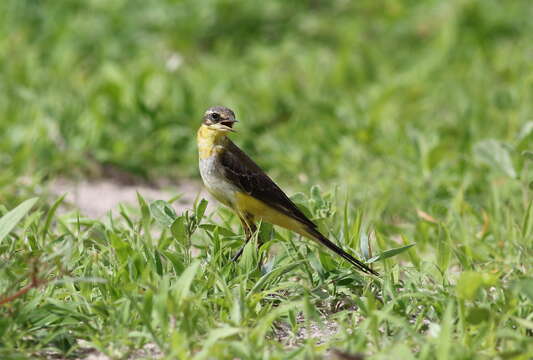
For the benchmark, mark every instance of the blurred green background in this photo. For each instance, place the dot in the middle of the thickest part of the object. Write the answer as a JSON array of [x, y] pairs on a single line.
[[333, 92], [419, 113]]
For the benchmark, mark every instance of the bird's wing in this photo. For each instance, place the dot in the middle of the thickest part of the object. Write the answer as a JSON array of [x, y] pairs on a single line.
[[241, 171], [251, 179]]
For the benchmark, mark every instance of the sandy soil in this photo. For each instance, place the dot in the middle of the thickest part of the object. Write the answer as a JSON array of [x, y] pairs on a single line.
[[97, 197]]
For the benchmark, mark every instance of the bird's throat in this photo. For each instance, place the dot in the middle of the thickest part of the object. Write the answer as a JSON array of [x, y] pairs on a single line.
[[210, 141]]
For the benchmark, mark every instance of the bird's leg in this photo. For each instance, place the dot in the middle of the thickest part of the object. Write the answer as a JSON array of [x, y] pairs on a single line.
[[249, 230]]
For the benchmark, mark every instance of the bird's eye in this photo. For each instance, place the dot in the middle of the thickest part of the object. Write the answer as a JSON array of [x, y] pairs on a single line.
[[215, 116]]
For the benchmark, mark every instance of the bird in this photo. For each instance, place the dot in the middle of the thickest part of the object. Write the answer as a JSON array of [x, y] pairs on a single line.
[[237, 182]]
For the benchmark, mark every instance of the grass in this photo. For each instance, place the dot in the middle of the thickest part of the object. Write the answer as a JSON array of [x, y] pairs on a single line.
[[123, 283], [420, 119]]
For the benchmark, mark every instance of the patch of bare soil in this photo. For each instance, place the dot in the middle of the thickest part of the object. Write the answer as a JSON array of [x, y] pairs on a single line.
[[95, 198], [320, 331], [86, 352]]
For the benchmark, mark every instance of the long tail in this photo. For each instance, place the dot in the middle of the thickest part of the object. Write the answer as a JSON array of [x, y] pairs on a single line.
[[314, 233]]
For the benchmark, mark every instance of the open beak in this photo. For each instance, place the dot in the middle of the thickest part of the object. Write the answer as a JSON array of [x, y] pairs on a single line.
[[226, 125]]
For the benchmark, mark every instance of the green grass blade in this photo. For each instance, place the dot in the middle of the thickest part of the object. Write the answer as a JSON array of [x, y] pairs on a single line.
[[13, 217], [51, 214], [163, 212], [390, 253]]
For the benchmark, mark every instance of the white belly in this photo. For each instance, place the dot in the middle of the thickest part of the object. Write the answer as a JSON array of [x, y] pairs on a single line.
[[216, 183]]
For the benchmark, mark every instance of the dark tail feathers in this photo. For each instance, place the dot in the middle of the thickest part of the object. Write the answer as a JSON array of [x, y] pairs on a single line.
[[358, 264]]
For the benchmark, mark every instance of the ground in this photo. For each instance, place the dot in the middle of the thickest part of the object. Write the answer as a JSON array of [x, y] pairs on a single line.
[[95, 198]]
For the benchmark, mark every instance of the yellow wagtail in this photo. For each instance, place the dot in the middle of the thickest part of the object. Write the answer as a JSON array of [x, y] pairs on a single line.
[[239, 183]]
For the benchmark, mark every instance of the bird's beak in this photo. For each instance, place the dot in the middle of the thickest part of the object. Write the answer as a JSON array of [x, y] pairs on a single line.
[[226, 125]]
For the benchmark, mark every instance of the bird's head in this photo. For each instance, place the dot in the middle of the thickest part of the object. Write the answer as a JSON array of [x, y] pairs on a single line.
[[219, 118]]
